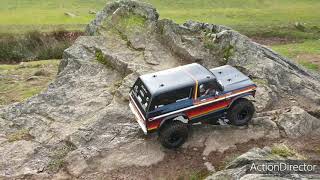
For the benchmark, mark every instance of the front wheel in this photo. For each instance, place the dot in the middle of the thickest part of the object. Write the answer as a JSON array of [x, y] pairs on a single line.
[[241, 112], [173, 134]]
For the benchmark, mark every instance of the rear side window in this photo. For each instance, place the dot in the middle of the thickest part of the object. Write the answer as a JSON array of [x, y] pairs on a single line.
[[171, 97], [142, 94]]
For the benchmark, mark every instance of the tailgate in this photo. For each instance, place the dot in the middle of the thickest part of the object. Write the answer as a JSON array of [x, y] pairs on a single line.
[[138, 115]]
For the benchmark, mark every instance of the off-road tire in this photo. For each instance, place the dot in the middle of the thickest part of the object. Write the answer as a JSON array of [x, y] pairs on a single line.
[[173, 134], [241, 112]]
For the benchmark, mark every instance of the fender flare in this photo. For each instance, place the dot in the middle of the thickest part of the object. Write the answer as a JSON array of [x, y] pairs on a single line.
[[168, 118], [240, 97]]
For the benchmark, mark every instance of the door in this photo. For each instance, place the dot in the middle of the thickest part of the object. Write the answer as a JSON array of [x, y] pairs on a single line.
[[208, 102]]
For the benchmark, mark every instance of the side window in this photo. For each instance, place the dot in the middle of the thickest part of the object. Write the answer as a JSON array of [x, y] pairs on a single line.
[[169, 98], [207, 89]]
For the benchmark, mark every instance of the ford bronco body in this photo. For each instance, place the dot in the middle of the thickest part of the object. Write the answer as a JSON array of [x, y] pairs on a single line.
[[169, 101]]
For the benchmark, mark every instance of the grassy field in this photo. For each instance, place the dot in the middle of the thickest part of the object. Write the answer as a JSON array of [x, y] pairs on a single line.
[[262, 17], [18, 82], [306, 53]]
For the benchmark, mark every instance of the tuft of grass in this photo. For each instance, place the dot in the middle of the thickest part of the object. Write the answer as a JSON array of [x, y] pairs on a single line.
[[22, 134], [260, 81], [228, 52], [56, 164], [208, 42], [198, 175], [318, 150], [282, 150], [58, 155], [228, 159], [101, 59]]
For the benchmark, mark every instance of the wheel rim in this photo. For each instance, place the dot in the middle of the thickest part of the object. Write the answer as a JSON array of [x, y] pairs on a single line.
[[243, 114], [174, 138]]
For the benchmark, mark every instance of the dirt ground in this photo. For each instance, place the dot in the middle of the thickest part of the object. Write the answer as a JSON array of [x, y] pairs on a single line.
[[312, 58]]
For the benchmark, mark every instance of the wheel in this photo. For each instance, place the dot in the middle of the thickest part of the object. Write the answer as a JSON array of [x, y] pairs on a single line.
[[241, 112], [173, 134]]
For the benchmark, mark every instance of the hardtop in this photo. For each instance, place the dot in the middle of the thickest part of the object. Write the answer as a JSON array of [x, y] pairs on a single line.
[[175, 78]]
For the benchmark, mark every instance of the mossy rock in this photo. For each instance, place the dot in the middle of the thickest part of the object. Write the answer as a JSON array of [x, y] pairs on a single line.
[[22, 134], [102, 59]]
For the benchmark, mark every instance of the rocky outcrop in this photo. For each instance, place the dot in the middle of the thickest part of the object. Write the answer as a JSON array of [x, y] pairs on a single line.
[[82, 124], [296, 122], [237, 169]]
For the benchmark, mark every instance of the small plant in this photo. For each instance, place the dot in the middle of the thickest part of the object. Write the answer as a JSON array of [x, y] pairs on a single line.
[[228, 52], [22, 134], [282, 150], [56, 164], [209, 45], [197, 175], [58, 155], [208, 42], [228, 159], [317, 149], [101, 59], [260, 81]]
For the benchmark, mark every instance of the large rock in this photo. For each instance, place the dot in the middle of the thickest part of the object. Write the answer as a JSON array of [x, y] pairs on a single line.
[[82, 123], [237, 169], [297, 123]]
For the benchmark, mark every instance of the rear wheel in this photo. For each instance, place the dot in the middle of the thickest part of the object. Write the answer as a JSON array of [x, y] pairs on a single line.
[[173, 134], [241, 112]]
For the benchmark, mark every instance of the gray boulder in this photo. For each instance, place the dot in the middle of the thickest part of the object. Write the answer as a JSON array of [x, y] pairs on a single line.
[[237, 169], [297, 123]]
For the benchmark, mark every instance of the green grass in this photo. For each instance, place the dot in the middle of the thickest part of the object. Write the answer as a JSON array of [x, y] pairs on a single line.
[[45, 15], [15, 82], [292, 50], [282, 150], [306, 53], [309, 65], [266, 17]]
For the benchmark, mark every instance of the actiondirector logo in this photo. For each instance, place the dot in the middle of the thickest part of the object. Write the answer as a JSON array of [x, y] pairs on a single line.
[[284, 167]]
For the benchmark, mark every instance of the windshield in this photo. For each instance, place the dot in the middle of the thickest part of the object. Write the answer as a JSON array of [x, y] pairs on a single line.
[[142, 94]]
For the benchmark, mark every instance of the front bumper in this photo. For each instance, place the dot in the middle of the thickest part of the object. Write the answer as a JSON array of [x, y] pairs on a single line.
[[138, 118]]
